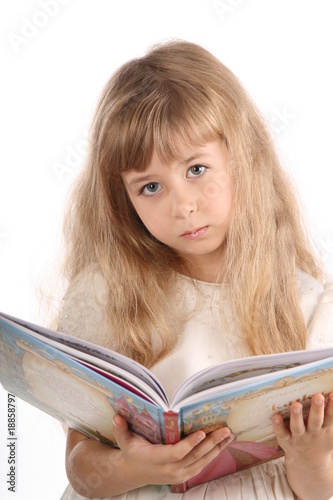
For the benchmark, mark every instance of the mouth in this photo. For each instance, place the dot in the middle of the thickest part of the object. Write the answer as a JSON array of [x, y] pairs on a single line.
[[196, 233]]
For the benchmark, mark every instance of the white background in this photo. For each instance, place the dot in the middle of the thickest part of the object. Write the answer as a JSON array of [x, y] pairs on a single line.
[[55, 58]]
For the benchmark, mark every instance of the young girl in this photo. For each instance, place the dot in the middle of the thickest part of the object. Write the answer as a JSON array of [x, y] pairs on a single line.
[[186, 249]]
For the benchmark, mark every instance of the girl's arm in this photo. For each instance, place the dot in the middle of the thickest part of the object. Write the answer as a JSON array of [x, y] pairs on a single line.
[[308, 448], [96, 470]]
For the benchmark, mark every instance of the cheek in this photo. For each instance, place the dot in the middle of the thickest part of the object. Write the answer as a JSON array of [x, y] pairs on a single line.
[[151, 220], [216, 189], [218, 202], [152, 212]]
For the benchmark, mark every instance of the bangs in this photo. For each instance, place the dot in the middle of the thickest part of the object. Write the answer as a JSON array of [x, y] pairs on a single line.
[[162, 118]]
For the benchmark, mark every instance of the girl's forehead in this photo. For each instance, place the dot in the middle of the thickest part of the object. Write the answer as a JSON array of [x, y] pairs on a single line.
[[180, 148], [185, 151]]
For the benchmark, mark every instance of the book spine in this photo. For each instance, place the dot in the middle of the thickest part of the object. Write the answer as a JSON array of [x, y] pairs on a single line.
[[172, 437], [171, 427], [179, 488]]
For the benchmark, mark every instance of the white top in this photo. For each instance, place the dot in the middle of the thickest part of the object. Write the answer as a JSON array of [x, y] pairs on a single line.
[[206, 339]]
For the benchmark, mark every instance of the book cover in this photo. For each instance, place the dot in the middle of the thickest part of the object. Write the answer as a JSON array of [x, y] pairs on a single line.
[[83, 386]]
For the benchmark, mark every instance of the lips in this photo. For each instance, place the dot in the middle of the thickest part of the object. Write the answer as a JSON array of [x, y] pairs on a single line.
[[196, 233]]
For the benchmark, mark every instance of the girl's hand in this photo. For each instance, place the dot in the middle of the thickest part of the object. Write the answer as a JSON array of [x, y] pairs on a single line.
[[167, 464], [96, 470], [308, 448]]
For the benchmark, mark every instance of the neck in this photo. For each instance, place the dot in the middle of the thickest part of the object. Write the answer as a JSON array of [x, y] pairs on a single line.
[[210, 270]]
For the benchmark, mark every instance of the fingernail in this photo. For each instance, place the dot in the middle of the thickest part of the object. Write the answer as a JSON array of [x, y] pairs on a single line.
[[225, 437], [230, 438], [201, 437]]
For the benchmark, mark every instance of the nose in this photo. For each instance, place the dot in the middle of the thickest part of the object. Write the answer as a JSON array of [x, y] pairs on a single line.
[[184, 202]]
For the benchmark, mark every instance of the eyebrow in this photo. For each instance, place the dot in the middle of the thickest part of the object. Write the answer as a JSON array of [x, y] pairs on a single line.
[[139, 179], [193, 157]]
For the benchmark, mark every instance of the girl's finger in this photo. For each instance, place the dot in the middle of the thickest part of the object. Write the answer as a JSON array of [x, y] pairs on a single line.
[[328, 418], [195, 467], [121, 431], [316, 414], [214, 441], [280, 430], [297, 426], [196, 445]]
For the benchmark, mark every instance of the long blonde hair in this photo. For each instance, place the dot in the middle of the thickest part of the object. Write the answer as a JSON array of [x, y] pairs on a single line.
[[180, 88]]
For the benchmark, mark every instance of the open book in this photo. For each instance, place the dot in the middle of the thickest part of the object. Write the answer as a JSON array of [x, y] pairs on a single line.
[[84, 386]]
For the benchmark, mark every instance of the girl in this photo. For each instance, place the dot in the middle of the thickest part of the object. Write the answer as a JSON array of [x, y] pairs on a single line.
[[186, 249]]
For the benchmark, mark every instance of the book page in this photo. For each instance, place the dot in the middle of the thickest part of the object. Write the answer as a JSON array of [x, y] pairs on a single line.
[[97, 355], [245, 368]]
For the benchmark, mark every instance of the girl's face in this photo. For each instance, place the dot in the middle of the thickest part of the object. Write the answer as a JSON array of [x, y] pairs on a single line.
[[187, 204]]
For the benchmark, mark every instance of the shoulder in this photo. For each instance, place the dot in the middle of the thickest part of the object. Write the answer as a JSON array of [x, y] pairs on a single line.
[[88, 287], [83, 308], [317, 305]]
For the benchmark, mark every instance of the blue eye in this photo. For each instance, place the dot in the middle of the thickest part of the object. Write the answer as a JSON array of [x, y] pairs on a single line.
[[150, 189], [196, 171]]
